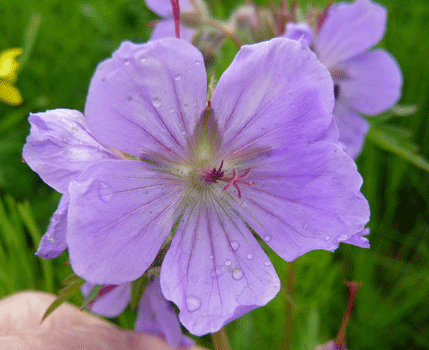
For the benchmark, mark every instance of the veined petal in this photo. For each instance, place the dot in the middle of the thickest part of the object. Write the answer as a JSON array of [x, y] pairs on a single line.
[[156, 316], [349, 30], [352, 129], [299, 31], [165, 29], [60, 147], [215, 270], [53, 242], [274, 93], [163, 7], [374, 82], [303, 198], [120, 213], [112, 303], [148, 98]]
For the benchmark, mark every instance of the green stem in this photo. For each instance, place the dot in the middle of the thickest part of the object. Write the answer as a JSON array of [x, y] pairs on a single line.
[[220, 340], [288, 326]]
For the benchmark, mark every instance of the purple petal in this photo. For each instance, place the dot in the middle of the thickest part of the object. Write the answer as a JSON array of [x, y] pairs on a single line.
[[300, 32], [375, 82], [60, 147], [156, 316], [120, 213], [53, 242], [303, 198], [349, 30], [165, 29], [358, 240], [274, 93], [112, 303], [352, 129], [215, 270], [147, 98], [163, 7]]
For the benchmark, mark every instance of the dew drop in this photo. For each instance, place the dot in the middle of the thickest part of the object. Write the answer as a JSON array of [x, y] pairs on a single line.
[[50, 239], [216, 272], [228, 262], [178, 77], [267, 238], [105, 192], [327, 238], [172, 110], [267, 263], [127, 62], [211, 257], [249, 256], [197, 63], [156, 102], [234, 245], [305, 226], [143, 59], [237, 273], [192, 303], [343, 237]]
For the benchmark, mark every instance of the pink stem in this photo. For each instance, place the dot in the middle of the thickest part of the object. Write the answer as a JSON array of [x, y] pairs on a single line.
[[176, 15]]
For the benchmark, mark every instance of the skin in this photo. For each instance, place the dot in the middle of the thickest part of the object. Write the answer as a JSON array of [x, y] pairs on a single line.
[[66, 328]]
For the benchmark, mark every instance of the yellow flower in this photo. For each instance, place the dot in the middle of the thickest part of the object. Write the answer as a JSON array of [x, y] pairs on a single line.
[[8, 66]]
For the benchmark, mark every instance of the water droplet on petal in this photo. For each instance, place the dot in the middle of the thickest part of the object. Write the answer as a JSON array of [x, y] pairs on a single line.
[[237, 273], [197, 63], [172, 110], [178, 77], [343, 237], [267, 238], [105, 192], [211, 257], [50, 239], [267, 263], [156, 102], [234, 245], [127, 62], [249, 256], [192, 303], [305, 226], [216, 272], [228, 262], [143, 59], [327, 238]]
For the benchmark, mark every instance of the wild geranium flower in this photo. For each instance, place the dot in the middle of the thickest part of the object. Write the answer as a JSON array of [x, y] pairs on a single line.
[[164, 28], [154, 314], [199, 179], [366, 82], [8, 66]]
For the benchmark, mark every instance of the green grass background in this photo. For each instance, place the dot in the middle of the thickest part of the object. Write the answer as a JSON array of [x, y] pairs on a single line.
[[63, 42]]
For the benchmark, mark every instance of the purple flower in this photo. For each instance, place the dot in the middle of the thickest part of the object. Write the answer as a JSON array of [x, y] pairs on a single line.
[[165, 28], [366, 82], [154, 315], [59, 148], [200, 182]]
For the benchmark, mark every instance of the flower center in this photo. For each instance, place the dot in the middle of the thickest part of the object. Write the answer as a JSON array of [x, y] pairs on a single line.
[[219, 175]]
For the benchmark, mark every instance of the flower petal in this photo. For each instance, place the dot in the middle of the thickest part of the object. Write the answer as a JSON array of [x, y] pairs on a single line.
[[215, 270], [375, 82], [163, 7], [10, 94], [148, 98], [60, 147], [8, 64], [165, 29], [156, 316], [273, 93], [53, 242], [120, 213], [352, 129], [358, 240], [318, 204], [349, 30], [112, 303], [300, 32]]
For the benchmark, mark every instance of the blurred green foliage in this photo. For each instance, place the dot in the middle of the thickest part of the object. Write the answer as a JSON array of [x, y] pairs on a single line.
[[64, 41]]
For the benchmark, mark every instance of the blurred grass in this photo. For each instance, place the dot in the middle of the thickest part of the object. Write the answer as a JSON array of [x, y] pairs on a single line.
[[64, 42]]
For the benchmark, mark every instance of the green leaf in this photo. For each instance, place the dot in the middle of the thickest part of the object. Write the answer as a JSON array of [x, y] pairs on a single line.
[[397, 141], [137, 289], [72, 286], [90, 297]]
